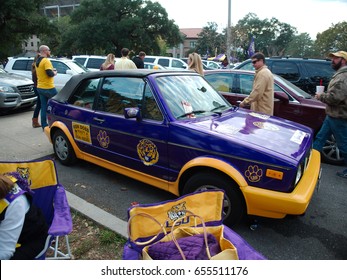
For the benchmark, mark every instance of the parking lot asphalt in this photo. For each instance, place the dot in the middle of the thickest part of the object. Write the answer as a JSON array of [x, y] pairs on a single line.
[[20, 142]]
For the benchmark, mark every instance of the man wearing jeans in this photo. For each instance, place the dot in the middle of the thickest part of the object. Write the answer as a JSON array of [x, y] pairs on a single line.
[[336, 108], [45, 81]]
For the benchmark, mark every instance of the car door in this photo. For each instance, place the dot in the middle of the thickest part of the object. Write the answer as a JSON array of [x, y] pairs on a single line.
[[139, 145], [62, 75]]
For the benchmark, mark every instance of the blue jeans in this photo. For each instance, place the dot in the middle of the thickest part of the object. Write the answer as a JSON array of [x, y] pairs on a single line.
[[38, 104], [337, 127], [45, 94]]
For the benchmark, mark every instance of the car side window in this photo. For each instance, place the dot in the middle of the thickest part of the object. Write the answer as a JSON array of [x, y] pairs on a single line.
[[164, 62], [286, 69], [319, 71], [61, 67], [150, 109], [95, 63], [247, 66], [246, 84], [221, 81], [85, 94], [80, 60], [177, 64], [24, 65], [118, 93]]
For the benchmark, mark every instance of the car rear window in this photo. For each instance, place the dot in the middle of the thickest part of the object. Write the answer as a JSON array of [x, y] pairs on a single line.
[[319, 71], [80, 59]]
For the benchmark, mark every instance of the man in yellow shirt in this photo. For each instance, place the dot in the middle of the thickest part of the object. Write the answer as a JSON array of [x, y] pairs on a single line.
[[45, 81]]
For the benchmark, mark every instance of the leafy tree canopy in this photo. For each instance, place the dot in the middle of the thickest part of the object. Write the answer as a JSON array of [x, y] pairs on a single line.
[[111, 25], [332, 39], [19, 20]]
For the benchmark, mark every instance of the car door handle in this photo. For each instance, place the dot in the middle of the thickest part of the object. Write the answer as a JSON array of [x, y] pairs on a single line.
[[98, 120]]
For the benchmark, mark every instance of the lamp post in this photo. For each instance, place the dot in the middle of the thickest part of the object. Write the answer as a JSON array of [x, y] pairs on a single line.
[[229, 31]]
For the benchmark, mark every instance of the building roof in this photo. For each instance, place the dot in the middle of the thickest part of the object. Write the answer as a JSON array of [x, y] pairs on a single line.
[[191, 32]]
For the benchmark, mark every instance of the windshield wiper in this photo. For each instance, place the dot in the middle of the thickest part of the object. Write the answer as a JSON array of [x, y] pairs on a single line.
[[192, 113], [217, 108]]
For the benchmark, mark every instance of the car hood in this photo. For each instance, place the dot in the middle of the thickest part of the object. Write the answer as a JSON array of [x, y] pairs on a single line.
[[14, 79], [270, 135]]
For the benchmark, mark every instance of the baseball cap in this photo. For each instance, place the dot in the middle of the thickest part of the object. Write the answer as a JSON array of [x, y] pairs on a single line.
[[339, 54]]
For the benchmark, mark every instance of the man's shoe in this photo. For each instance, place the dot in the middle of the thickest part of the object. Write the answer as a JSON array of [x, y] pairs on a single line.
[[342, 174]]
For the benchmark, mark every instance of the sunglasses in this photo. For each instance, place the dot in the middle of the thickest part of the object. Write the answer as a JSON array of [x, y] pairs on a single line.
[[255, 61]]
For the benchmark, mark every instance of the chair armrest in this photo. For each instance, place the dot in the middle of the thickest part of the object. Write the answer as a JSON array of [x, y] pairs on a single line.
[[62, 221]]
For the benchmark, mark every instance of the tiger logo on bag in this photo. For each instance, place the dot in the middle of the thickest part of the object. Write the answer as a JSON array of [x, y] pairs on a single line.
[[24, 173], [177, 211]]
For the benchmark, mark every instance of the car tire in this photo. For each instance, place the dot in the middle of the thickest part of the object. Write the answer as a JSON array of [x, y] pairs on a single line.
[[330, 153], [63, 148], [234, 204]]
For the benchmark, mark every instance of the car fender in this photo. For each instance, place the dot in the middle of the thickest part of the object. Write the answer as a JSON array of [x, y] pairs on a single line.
[[213, 163], [49, 131]]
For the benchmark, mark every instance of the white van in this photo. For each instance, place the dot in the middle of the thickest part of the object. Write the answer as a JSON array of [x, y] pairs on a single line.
[[167, 62]]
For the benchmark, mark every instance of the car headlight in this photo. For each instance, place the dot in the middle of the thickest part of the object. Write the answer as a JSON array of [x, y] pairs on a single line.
[[7, 89], [298, 174]]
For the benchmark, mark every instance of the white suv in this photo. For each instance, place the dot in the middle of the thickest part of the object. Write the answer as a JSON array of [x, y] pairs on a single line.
[[65, 69], [92, 62], [167, 62]]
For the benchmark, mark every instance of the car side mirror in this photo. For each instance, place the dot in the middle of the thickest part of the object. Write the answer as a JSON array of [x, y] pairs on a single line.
[[69, 72], [132, 113], [282, 96]]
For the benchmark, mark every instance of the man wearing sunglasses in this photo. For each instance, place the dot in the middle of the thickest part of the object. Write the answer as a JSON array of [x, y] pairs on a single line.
[[261, 97]]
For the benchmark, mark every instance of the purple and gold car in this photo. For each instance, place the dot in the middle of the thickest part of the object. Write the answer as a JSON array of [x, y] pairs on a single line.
[[174, 131]]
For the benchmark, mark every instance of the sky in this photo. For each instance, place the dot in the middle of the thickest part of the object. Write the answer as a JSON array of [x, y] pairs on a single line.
[[310, 16]]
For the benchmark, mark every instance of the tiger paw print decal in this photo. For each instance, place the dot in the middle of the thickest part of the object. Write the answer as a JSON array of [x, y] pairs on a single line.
[[254, 173], [103, 139]]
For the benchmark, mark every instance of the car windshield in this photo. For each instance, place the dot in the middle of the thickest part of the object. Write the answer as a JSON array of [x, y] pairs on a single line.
[[294, 88], [190, 96], [78, 67]]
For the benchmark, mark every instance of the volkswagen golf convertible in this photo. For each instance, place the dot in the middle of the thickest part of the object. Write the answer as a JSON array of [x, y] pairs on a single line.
[[174, 131]]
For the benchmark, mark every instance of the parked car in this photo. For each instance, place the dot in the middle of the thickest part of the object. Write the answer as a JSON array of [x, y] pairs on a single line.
[[302, 72], [167, 62], [92, 62], [291, 102], [211, 64], [65, 69], [15, 92], [149, 65], [174, 131]]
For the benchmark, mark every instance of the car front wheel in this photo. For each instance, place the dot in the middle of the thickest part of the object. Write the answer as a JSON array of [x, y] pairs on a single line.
[[233, 205], [63, 148]]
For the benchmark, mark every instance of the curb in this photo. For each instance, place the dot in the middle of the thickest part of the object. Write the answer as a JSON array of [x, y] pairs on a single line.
[[97, 215]]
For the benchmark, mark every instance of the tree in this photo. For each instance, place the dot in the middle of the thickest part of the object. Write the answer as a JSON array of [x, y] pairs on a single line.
[[301, 46], [113, 24], [19, 20], [271, 36], [210, 42], [332, 39]]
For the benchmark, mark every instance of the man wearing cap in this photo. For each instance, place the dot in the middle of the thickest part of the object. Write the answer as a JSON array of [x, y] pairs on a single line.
[[336, 108]]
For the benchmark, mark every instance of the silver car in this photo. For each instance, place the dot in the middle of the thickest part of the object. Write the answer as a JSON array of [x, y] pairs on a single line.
[[15, 91]]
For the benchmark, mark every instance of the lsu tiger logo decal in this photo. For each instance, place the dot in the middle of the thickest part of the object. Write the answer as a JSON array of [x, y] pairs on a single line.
[[177, 211], [147, 152], [24, 173]]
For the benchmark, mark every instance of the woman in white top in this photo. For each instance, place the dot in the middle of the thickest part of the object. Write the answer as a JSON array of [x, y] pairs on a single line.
[[23, 229]]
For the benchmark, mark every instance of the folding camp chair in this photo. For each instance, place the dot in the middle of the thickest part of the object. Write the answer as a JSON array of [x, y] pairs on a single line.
[[50, 197]]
